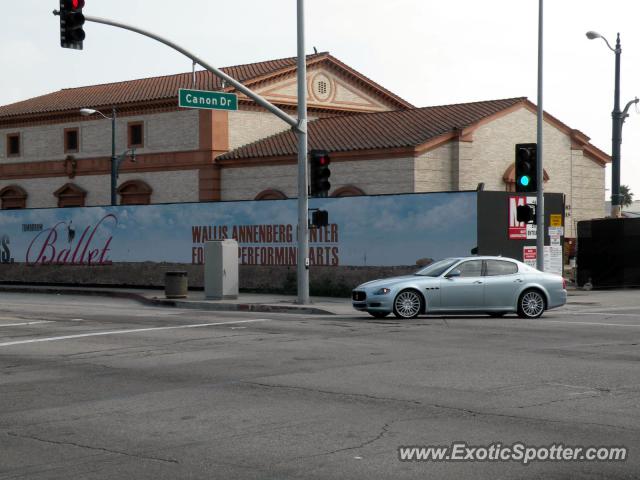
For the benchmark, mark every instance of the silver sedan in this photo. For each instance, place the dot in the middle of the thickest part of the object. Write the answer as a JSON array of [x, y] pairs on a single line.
[[491, 285]]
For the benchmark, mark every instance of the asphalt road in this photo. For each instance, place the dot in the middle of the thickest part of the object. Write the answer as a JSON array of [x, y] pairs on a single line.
[[95, 388]]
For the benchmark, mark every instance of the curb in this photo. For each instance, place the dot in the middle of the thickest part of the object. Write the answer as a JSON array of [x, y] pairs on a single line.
[[238, 307], [161, 302]]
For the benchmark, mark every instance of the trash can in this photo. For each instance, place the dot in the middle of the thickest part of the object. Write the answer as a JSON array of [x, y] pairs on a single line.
[[175, 284]]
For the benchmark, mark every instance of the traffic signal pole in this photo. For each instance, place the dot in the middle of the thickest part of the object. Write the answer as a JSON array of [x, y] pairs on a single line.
[[540, 168], [303, 200], [298, 125]]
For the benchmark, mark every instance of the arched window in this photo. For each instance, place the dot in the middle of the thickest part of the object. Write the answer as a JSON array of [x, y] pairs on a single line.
[[348, 191], [70, 195], [13, 197], [509, 178], [135, 192], [271, 195]]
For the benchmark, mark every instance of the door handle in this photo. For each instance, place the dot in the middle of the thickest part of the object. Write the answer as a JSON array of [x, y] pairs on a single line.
[[477, 282], [519, 280]]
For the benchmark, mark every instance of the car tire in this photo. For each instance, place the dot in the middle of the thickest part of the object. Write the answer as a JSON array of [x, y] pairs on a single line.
[[531, 304], [379, 314], [408, 304]]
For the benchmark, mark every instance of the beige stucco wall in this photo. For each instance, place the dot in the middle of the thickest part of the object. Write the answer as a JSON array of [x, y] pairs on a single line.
[[374, 177], [246, 183], [338, 93], [588, 190], [434, 170], [163, 132], [40, 190], [493, 151], [246, 126]]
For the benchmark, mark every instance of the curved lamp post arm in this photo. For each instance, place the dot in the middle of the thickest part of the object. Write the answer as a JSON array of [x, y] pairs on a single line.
[[218, 73], [608, 44], [122, 157], [626, 108], [591, 35]]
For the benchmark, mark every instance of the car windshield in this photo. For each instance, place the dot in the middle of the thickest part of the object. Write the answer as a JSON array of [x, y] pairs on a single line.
[[437, 268]]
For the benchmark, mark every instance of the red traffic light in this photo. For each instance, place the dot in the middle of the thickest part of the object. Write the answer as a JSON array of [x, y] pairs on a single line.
[[319, 179], [71, 22]]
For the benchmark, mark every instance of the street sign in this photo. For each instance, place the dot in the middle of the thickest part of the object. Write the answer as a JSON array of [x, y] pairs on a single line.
[[188, 98], [556, 220], [529, 255]]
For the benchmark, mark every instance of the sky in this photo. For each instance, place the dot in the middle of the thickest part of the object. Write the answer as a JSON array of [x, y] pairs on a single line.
[[427, 52]]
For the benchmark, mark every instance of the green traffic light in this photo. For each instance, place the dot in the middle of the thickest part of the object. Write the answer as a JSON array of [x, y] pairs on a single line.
[[524, 180]]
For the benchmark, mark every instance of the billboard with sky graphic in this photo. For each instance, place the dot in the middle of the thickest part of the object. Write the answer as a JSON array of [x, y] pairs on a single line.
[[384, 230]]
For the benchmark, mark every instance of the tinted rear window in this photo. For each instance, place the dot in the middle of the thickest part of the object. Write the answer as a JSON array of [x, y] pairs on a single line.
[[501, 267]]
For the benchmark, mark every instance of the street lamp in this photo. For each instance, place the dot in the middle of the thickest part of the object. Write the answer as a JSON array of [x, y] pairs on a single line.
[[115, 160], [618, 118]]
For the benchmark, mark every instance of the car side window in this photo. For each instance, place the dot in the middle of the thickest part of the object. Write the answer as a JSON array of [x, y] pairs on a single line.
[[472, 268], [500, 267]]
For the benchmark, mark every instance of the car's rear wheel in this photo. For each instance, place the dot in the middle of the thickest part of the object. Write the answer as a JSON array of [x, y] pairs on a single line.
[[407, 304], [531, 304], [379, 314]]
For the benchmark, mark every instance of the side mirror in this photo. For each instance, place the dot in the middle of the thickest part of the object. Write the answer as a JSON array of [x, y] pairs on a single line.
[[453, 273]]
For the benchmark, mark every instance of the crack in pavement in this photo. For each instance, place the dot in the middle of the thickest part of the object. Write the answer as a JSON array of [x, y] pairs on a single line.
[[329, 392], [463, 410], [89, 447], [560, 400], [383, 432]]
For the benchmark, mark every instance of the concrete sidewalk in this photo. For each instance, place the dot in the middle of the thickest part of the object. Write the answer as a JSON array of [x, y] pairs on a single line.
[[246, 302]]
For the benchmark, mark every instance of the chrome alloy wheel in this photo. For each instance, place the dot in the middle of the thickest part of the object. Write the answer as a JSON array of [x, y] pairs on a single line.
[[407, 304], [531, 304]]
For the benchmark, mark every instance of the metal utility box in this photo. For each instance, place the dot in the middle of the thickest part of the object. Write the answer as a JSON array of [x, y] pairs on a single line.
[[221, 269], [609, 252]]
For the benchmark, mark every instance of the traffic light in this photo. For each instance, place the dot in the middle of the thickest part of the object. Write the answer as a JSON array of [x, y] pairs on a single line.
[[71, 23], [320, 173], [320, 218], [526, 167], [526, 213]]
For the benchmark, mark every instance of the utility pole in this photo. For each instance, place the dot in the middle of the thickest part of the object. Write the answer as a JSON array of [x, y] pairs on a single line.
[[617, 120], [299, 126], [303, 200], [114, 160], [540, 168]]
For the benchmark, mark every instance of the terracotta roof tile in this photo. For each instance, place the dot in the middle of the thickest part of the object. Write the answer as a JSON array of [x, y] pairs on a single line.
[[145, 89], [394, 129], [164, 88]]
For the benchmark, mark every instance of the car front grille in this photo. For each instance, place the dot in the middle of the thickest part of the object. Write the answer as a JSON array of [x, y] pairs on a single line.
[[359, 296]]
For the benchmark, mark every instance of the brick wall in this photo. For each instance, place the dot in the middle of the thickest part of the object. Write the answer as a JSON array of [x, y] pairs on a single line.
[[163, 132], [374, 177], [434, 170], [168, 187], [246, 126], [323, 281], [570, 172]]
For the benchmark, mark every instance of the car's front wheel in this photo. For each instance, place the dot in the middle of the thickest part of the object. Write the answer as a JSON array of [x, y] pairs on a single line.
[[531, 304], [407, 304]]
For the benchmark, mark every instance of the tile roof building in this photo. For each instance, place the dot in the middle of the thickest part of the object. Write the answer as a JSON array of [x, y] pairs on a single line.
[[379, 143]]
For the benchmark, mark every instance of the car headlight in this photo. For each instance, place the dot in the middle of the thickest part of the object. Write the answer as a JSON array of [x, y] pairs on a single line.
[[382, 291]]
